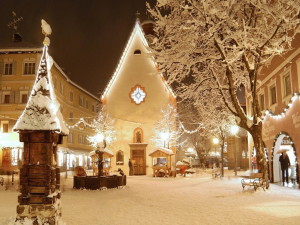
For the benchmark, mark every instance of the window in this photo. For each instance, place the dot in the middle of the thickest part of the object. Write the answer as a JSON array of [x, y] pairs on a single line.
[[4, 126], [262, 102], [120, 158], [80, 100], [61, 88], [273, 96], [71, 115], [29, 68], [287, 85], [6, 98], [8, 68], [70, 137], [71, 96], [24, 98]]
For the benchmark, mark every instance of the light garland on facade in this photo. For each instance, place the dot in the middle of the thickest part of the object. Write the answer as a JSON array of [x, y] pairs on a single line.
[[285, 110], [80, 121]]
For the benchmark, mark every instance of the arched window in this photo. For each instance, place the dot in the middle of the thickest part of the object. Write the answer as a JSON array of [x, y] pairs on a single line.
[[120, 158], [138, 135], [137, 52]]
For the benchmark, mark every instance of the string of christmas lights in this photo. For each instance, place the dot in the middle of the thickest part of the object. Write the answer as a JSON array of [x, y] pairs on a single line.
[[189, 131], [285, 110]]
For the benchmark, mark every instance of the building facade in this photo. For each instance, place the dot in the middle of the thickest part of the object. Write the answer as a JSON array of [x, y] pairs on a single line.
[[18, 65], [134, 98], [278, 91]]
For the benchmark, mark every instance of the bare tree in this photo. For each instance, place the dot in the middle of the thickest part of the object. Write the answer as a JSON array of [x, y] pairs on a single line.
[[203, 46]]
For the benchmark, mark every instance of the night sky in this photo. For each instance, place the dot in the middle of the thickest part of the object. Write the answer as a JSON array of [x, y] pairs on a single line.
[[88, 36]]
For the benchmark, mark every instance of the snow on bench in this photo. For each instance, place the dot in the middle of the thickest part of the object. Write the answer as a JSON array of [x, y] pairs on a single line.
[[255, 180]]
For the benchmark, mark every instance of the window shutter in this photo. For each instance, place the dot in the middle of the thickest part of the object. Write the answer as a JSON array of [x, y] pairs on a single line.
[[12, 97], [1, 67], [14, 68]]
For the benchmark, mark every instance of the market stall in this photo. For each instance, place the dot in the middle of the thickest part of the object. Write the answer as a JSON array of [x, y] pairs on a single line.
[[162, 159]]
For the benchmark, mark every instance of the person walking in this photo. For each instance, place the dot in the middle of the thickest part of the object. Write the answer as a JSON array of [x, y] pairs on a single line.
[[285, 164], [130, 167]]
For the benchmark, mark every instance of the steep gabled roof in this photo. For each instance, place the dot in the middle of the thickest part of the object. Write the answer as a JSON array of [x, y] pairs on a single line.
[[137, 30]]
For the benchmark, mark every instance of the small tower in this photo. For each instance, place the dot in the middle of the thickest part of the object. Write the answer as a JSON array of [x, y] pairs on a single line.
[[41, 128]]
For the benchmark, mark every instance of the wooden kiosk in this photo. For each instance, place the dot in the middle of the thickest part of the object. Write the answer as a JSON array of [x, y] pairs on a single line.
[[106, 161], [162, 162]]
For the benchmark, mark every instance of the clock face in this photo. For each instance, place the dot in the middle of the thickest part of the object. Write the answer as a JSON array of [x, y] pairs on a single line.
[[137, 94]]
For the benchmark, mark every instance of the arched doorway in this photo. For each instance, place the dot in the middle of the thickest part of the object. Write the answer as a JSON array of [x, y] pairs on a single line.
[[283, 142]]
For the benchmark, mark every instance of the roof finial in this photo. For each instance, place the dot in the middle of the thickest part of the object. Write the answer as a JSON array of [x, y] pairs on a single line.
[[46, 30], [13, 23], [137, 15]]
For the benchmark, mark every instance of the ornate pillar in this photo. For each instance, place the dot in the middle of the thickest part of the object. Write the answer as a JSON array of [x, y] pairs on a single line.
[[40, 178]]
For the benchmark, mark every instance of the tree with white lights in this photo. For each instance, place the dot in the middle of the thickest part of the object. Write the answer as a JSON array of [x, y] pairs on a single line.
[[166, 131], [202, 46], [104, 129]]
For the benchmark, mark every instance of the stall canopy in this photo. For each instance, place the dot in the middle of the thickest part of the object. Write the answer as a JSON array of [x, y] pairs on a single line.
[[161, 152]]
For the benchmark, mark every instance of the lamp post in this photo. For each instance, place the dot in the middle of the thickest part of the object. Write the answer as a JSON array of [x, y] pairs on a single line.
[[216, 142], [234, 130], [165, 137]]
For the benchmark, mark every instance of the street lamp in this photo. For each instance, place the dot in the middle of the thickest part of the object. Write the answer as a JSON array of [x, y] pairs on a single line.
[[234, 130], [216, 142], [165, 137]]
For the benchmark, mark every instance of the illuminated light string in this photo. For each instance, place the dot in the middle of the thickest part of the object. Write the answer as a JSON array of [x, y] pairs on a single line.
[[285, 110], [190, 131], [80, 121]]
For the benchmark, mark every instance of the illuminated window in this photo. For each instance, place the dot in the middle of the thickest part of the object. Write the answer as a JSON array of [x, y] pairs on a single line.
[[138, 94], [60, 159], [14, 156], [80, 160], [29, 68], [120, 158]]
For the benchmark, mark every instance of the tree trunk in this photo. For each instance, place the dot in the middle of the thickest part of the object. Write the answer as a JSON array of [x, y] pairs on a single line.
[[256, 133]]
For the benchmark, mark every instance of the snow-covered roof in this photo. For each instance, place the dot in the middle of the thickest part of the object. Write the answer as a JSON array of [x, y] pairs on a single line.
[[42, 109], [164, 150], [180, 163], [136, 30], [102, 150]]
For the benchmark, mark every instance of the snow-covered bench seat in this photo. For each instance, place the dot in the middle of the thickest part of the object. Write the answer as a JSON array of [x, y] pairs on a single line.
[[255, 180]]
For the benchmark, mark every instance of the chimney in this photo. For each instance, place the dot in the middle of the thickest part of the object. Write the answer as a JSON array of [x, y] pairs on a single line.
[[17, 37]]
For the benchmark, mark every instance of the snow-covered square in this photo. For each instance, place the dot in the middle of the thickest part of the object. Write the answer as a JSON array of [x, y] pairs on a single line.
[[195, 199]]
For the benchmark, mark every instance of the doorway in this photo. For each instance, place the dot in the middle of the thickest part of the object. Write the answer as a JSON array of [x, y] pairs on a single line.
[[285, 143], [138, 162]]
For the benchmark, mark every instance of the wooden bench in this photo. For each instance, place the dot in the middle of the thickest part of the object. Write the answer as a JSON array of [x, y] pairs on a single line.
[[1, 181], [216, 172], [255, 180]]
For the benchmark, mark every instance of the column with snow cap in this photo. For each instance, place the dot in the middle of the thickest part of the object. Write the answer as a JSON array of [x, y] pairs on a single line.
[[41, 128]]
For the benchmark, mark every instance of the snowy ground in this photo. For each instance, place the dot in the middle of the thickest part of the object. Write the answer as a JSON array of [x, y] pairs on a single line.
[[193, 200]]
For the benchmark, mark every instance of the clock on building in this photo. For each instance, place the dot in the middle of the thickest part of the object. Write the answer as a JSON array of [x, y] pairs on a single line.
[[137, 94]]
